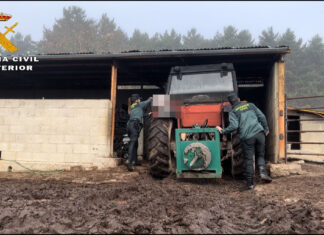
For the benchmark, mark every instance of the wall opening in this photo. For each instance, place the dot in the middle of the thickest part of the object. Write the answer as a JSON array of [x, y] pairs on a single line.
[[295, 135]]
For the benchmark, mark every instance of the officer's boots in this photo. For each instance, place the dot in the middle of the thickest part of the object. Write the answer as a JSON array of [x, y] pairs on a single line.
[[263, 175], [249, 184]]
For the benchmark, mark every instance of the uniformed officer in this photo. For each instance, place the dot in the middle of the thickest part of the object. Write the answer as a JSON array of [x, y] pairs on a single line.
[[252, 126], [134, 126]]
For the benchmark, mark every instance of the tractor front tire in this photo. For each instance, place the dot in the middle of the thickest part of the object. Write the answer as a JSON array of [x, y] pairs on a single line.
[[158, 147]]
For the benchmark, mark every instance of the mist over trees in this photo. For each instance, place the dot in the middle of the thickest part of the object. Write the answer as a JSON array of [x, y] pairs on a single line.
[[75, 32]]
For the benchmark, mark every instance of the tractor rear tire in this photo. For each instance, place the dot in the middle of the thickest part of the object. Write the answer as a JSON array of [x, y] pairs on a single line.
[[158, 147]]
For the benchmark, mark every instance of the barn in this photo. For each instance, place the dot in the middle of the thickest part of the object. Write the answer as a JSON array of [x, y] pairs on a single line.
[[70, 109]]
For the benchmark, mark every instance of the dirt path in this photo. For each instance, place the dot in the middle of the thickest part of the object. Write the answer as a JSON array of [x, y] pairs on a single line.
[[122, 202]]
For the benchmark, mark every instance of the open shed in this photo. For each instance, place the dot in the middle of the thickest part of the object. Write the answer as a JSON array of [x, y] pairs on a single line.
[[69, 109]]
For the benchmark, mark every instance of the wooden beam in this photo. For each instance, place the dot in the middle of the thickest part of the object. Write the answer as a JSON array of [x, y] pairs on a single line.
[[113, 91], [281, 91]]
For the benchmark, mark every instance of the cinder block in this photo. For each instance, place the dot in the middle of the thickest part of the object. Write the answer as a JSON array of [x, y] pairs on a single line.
[[48, 148], [84, 139], [42, 157], [4, 129], [33, 148], [99, 149], [56, 139], [4, 146], [64, 148], [72, 139], [12, 103], [68, 112], [47, 130], [99, 112], [82, 112], [55, 103], [24, 156], [8, 155], [2, 120], [6, 112], [8, 121], [37, 139], [81, 148], [32, 128], [98, 130], [21, 138], [97, 139], [9, 138], [78, 158], [16, 147], [17, 129], [75, 104]]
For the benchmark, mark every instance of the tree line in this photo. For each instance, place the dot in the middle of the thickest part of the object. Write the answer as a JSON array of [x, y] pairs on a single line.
[[75, 32]]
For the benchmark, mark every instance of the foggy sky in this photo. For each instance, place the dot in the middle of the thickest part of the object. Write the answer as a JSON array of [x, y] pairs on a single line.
[[304, 18]]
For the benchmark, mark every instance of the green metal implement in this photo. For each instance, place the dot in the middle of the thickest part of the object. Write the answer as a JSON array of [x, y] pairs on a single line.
[[198, 158]]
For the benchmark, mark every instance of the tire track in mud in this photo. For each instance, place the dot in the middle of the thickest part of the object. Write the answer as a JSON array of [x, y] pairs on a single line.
[[145, 205]]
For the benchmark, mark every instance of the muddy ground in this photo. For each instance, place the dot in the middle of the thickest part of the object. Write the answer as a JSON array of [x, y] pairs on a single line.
[[117, 201]]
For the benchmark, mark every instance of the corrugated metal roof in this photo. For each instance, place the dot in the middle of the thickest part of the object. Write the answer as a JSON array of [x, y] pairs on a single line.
[[201, 49], [173, 52]]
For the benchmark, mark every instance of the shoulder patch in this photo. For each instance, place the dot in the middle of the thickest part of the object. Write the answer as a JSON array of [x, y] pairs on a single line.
[[134, 105], [242, 107]]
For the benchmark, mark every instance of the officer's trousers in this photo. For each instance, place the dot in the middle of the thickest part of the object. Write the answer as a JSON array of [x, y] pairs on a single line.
[[133, 129], [254, 145]]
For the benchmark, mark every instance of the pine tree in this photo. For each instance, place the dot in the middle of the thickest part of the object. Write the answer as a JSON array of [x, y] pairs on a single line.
[[268, 38], [72, 33], [194, 40], [140, 41], [244, 39]]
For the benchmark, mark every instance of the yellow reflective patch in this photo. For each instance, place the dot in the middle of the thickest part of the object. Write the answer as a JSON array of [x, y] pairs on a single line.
[[243, 107], [133, 105]]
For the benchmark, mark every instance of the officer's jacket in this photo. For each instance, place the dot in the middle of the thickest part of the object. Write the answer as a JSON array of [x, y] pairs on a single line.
[[136, 112], [248, 119]]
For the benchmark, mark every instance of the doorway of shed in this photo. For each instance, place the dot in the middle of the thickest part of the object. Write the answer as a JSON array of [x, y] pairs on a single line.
[[123, 103], [258, 84]]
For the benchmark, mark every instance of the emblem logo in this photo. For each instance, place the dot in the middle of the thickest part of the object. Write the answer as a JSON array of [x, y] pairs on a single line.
[[4, 16], [5, 42]]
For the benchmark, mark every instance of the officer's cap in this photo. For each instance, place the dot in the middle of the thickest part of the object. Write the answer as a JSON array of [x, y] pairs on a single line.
[[134, 97], [232, 97]]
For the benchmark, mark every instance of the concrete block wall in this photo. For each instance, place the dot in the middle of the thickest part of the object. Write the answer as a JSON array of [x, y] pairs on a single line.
[[56, 133]]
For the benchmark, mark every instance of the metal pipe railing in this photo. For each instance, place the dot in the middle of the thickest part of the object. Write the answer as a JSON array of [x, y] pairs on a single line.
[[306, 120], [305, 142], [322, 107], [303, 131], [315, 154], [305, 97]]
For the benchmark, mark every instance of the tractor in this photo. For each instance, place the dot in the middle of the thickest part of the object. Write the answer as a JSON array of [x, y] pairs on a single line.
[[180, 136]]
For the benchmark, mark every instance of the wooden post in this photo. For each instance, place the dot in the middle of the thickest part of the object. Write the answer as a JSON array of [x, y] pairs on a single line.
[[282, 134], [113, 92]]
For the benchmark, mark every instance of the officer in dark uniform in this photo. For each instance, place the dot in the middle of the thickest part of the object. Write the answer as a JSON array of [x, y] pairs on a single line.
[[134, 126], [252, 126]]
